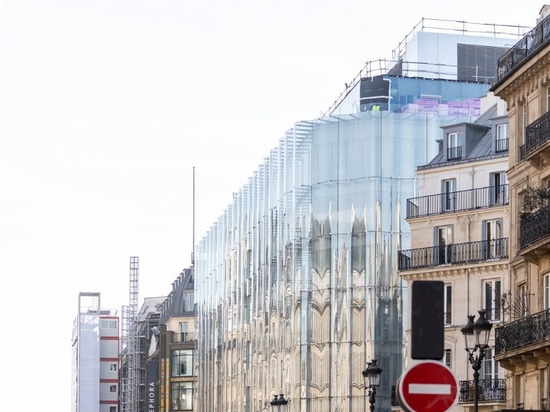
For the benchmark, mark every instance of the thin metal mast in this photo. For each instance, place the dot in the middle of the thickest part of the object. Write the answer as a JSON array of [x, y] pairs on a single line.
[[193, 244], [123, 360], [132, 335], [128, 358]]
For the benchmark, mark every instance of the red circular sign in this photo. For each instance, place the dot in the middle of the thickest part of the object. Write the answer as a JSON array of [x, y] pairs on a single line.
[[427, 387]]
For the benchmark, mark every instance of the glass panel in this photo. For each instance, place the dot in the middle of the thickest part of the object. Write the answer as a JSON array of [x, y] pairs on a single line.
[[182, 362], [502, 140], [547, 291], [182, 396], [189, 301], [499, 188], [449, 194], [448, 304], [447, 358], [492, 299], [444, 245], [454, 150], [488, 369], [493, 246]]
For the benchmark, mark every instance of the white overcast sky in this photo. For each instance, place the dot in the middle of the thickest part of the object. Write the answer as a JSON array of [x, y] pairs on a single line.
[[106, 107]]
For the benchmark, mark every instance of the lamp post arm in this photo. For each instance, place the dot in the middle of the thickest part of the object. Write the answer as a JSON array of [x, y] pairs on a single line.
[[475, 358]]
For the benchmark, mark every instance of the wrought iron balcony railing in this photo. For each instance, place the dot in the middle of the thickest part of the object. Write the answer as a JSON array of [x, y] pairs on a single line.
[[457, 201], [453, 254], [501, 145], [531, 43], [489, 390], [534, 226], [536, 135], [523, 332], [183, 337], [454, 153]]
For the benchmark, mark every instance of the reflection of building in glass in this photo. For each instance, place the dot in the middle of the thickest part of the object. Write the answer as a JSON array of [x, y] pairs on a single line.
[[297, 284]]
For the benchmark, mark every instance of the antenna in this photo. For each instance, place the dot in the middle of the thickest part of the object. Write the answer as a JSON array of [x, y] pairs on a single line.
[[193, 245]]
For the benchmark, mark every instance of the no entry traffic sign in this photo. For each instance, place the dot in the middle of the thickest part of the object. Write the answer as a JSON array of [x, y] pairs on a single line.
[[428, 386]]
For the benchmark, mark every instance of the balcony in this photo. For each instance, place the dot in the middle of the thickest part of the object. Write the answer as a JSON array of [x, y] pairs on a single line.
[[531, 43], [184, 337], [537, 134], [457, 201], [489, 390], [453, 254], [454, 153], [534, 227], [530, 330]]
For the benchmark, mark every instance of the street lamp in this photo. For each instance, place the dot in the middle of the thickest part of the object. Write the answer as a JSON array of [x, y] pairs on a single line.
[[476, 337], [372, 376], [279, 400]]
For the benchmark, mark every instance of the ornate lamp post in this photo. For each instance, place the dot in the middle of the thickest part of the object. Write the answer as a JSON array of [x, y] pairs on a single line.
[[279, 400], [476, 337], [372, 377]]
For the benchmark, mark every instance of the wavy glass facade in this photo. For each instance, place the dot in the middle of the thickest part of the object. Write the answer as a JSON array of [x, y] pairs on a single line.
[[296, 283]]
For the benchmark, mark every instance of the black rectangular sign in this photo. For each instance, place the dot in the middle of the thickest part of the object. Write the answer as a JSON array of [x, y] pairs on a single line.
[[427, 335]]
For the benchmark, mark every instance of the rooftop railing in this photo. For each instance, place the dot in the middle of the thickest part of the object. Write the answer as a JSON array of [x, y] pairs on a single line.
[[432, 70], [530, 43]]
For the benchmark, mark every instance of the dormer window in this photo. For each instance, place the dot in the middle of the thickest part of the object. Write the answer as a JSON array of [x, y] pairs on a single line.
[[454, 150], [501, 143]]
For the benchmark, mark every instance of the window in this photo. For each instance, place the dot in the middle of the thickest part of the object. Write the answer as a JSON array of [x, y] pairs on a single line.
[[521, 304], [489, 368], [524, 122], [189, 303], [113, 367], [501, 143], [182, 396], [447, 356], [454, 150], [112, 408], [448, 190], [443, 245], [546, 291], [492, 299], [447, 301], [184, 329], [548, 99], [182, 362], [494, 246], [112, 388], [109, 324], [498, 183]]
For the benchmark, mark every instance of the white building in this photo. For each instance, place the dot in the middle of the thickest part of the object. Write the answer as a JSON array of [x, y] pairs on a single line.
[[95, 347]]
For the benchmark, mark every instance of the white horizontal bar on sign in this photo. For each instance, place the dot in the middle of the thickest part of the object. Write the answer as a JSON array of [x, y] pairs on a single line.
[[430, 388]]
